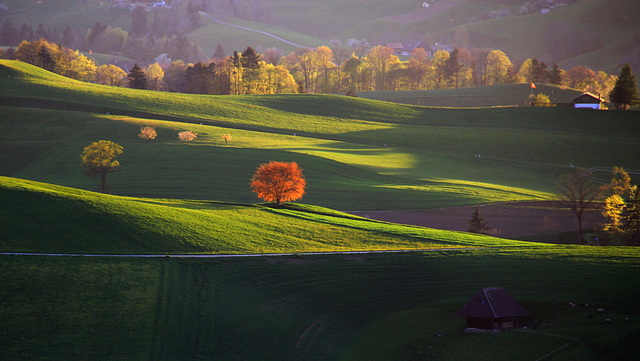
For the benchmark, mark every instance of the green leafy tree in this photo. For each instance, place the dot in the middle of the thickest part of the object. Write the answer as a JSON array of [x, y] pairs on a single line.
[[625, 91], [155, 77], [98, 158], [498, 66], [477, 224], [111, 75]]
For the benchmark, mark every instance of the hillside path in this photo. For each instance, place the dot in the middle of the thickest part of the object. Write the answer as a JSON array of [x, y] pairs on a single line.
[[254, 30]]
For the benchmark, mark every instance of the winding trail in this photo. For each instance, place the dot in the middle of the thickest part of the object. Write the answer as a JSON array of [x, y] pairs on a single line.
[[254, 30]]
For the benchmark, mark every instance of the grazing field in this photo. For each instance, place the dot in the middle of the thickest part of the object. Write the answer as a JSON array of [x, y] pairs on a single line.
[[174, 199], [478, 97], [356, 154], [38, 217], [341, 307]]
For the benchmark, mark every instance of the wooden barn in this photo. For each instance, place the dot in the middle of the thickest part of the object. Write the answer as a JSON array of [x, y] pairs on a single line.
[[493, 309], [587, 100]]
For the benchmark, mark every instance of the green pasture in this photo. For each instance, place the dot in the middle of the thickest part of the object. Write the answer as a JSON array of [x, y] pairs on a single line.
[[356, 154], [479, 97], [339, 307], [40, 217]]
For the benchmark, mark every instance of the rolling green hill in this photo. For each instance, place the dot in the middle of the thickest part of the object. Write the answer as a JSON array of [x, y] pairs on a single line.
[[488, 96], [356, 154], [342, 307], [39, 217]]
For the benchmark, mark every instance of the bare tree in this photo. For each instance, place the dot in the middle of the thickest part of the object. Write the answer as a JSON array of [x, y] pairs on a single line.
[[578, 192]]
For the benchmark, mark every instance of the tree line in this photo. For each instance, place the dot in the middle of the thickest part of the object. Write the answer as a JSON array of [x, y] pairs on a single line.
[[345, 69]]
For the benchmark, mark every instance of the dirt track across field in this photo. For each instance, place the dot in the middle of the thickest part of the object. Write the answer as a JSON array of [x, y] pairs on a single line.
[[508, 220]]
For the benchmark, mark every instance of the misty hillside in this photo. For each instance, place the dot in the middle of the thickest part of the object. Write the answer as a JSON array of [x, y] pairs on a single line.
[[601, 34]]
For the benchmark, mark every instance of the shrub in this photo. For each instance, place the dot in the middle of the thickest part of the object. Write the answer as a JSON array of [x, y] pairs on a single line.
[[227, 138], [148, 133], [541, 100], [187, 136]]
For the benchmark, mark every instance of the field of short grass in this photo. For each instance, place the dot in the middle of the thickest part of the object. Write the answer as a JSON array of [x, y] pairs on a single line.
[[356, 154], [342, 307], [39, 217], [478, 97]]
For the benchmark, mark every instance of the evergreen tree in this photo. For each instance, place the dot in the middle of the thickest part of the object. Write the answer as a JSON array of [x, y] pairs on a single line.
[[556, 76], [625, 91], [137, 78], [477, 224], [452, 68], [250, 59]]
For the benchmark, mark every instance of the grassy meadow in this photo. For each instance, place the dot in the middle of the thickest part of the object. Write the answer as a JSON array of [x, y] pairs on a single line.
[[356, 154], [503, 95], [341, 307], [173, 199]]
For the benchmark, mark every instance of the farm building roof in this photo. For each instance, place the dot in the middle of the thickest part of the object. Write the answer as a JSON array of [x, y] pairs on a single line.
[[492, 302], [587, 98]]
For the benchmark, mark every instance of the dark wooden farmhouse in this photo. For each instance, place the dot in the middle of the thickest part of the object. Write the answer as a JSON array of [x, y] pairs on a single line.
[[587, 100], [493, 309]]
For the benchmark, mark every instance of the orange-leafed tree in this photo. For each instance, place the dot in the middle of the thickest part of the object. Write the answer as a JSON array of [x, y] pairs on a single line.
[[278, 182]]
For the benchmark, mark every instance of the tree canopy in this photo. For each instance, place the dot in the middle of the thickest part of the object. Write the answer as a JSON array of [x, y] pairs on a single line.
[[278, 182], [98, 158]]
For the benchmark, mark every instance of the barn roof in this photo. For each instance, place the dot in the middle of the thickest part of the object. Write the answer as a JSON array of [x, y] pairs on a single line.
[[587, 98], [492, 302]]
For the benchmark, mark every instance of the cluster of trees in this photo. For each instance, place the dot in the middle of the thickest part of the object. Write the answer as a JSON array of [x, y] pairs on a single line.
[[618, 201], [622, 207], [244, 73], [55, 58], [336, 69], [327, 69], [323, 70]]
